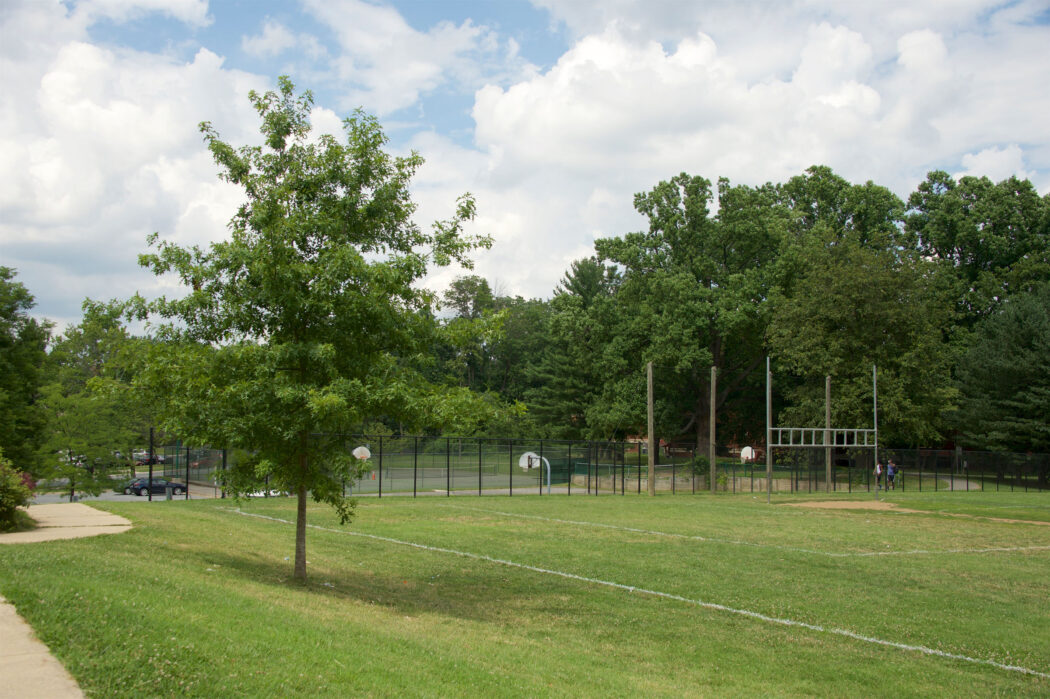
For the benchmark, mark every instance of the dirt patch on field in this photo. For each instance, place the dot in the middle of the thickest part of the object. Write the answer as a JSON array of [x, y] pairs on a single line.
[[889, 506], [849, 505]]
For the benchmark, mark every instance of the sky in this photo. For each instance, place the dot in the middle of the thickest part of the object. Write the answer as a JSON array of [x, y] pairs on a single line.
[[553, 113]]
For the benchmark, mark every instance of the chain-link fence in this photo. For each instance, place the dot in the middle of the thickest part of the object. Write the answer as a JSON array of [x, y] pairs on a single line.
[[422, 465], [805, 470]]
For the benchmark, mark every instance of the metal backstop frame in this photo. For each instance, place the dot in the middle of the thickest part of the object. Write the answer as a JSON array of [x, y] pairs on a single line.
[[828, 437]]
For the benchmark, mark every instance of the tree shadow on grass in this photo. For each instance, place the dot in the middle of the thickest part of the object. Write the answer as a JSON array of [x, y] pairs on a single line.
[[454, 587]]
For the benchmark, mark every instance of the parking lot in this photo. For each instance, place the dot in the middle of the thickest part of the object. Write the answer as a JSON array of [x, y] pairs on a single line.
[[197, 492]]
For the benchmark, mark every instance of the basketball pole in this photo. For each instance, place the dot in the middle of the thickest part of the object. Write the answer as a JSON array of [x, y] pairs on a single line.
[[652, 448]]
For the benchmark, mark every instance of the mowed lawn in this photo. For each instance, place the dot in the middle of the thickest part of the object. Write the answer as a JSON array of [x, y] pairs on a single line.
[[553, 596]]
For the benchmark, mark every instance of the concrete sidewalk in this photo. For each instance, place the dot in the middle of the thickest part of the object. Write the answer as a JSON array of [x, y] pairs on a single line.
[[27, 666], [71, 520], [28, 669]]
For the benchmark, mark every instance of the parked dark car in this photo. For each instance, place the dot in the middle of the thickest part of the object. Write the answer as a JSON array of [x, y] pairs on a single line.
[[141, 486], [142, 458]]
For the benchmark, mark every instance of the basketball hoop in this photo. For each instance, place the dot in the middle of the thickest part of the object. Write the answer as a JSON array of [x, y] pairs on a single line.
[[530, 460]]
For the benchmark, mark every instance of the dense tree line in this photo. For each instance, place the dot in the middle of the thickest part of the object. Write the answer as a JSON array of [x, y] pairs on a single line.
[[947, 293]]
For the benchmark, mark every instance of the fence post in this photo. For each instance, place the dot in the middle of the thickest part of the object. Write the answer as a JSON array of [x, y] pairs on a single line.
[[187, 473], [674, 474], [597, 475], [510, 462], [415, 463], [588, 447], [149, 458], [222, 496], [639, 469], [448, 467], [623, 469], [692, 460], [541, 467]]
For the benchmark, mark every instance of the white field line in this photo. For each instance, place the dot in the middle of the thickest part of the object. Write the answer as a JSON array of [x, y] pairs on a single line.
[[677, 598], [673, 535]]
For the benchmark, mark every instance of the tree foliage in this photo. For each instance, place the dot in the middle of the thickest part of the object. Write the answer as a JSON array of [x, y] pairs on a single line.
[[993, 240], [94, 414], [692, 296], [852, 296], [1005, 377], [298, 324], [23, 345], [14, 493]]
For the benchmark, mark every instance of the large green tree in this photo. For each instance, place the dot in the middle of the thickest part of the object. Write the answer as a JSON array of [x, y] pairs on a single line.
[[693, 296], [1005, 377], [23, 347], [991, 240], [565, 373], [466, 337], [854, 307], [296, 325], [853, 294], [94, 415]]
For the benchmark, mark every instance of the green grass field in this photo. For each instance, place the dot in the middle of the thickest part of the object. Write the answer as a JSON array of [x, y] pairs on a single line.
[[553, 596]]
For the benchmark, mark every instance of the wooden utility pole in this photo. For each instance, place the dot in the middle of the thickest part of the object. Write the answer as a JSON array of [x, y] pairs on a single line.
[[827, 433], [769, 433], [711, 429], [652, 438]]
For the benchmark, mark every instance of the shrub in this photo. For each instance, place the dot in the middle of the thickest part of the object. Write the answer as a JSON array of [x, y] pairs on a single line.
[[14, 493]]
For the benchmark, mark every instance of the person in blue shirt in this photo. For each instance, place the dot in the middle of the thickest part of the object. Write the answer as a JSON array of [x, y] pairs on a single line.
[[891, 471]]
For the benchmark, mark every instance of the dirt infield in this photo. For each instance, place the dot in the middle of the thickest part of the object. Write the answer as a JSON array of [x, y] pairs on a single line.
[[892, 507], [849, 505]]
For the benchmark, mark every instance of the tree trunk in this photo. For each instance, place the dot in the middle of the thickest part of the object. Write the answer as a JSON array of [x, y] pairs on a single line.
[[701, 424], [300, 515]]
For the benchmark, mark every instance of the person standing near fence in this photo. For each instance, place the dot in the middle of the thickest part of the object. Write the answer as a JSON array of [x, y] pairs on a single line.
[[891, 471], [878, 474]]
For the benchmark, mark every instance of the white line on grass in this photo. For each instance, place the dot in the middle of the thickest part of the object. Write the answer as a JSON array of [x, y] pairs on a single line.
[[673, 535], [667, 595]]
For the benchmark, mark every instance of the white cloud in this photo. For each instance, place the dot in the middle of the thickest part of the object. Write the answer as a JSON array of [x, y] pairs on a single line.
[[102, 148], [389, 64], [274, 40], [995, 163], [194, 12]]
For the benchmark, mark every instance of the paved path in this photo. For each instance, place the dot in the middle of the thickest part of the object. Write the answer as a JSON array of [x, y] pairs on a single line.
[[27, 666], [28, 669], [70, 520]]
